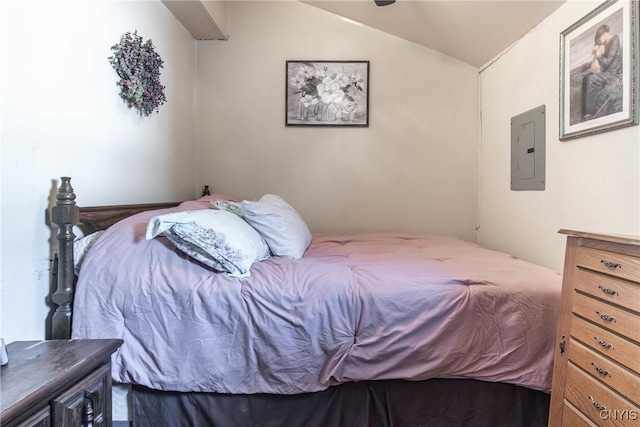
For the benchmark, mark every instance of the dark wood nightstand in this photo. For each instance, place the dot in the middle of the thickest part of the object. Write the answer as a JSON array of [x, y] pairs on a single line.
[[57, 383]]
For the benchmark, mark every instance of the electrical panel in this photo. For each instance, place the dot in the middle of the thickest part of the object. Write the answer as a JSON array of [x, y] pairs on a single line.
[[528, 150]]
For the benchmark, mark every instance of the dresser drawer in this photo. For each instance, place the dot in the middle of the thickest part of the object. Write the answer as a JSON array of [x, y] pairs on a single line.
[[611, 374], [596, 371], [607, 288], [598, 403], [608, 316], [607, 343], [619, 265], [572, 417]]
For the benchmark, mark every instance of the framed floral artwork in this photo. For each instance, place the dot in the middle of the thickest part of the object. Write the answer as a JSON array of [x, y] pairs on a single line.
[[599, 71], [327, 93]]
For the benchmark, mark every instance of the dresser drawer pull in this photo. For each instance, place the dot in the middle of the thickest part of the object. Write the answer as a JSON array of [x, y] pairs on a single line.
[[602, 343], [610, 264], [600, 370], [605, 317], [608, 291], [597, 405]]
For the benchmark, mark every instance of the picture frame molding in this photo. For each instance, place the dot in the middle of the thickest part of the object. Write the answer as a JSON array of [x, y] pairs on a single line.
[[306, 114], [629, 114]]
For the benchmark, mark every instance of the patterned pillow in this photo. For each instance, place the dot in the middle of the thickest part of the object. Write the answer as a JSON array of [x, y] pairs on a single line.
[[281, 226], [216, 238], [229, 206], [81, 246]]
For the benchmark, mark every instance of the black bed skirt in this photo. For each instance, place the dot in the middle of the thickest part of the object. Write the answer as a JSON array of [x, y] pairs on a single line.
[[396, 403]]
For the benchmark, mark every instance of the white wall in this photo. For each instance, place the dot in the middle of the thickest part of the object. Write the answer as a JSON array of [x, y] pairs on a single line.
[[413, 169], [61, 115], [592, 183]]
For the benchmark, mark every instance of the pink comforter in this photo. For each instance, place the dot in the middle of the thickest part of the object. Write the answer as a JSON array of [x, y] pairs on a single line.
[[356, 307]]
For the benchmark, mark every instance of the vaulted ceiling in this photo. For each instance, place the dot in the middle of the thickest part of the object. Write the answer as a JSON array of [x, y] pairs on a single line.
[[473, 31]]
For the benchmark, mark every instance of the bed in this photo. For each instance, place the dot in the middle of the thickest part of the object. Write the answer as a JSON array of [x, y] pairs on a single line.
[[365, 329]]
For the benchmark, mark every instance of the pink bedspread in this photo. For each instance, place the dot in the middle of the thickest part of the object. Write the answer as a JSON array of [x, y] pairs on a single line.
[[356, 307]]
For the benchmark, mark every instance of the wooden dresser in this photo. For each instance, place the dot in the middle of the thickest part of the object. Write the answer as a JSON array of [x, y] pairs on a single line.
[[57, 383], [596, 372]]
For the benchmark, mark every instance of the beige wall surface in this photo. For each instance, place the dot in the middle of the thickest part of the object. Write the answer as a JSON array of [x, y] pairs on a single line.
[[592, 183], [62, 116], [413, 169], [422, 165]]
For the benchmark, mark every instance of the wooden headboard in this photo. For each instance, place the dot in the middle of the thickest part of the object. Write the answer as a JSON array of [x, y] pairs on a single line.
[[66, 214]]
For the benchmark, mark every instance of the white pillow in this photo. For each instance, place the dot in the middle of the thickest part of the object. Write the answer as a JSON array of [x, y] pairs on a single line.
[[279, 224], [216, 238]]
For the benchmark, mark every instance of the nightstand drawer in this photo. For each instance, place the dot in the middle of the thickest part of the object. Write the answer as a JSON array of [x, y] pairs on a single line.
[[598, 403], [611, 374], [88, 400], [607, 343], [619, 265], [42, 418], [57, 383], [607, 288], [607, 316]]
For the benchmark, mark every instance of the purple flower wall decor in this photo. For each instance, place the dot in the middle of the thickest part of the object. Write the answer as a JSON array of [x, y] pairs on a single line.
[[138, 66]]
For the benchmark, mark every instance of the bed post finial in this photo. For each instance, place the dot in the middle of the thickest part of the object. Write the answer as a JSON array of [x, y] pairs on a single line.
[[65, 214]]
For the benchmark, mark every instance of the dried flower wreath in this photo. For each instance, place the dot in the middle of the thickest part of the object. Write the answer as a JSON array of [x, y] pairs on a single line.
[[138, 66]]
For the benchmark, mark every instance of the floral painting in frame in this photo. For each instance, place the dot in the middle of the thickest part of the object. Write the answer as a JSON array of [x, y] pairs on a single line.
[[599, 71], [327, 93]]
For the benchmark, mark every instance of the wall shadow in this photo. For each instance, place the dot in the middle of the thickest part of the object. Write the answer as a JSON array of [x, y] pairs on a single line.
[[53, 258]]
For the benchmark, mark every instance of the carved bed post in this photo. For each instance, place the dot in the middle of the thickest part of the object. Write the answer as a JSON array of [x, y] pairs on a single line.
[[66, 214]]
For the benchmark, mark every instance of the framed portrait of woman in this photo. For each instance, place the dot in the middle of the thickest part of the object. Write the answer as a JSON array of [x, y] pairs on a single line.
[[599, 71]]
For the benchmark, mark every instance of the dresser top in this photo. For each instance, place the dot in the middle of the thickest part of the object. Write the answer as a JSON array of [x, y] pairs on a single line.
[[616, 238], [39, 369]]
